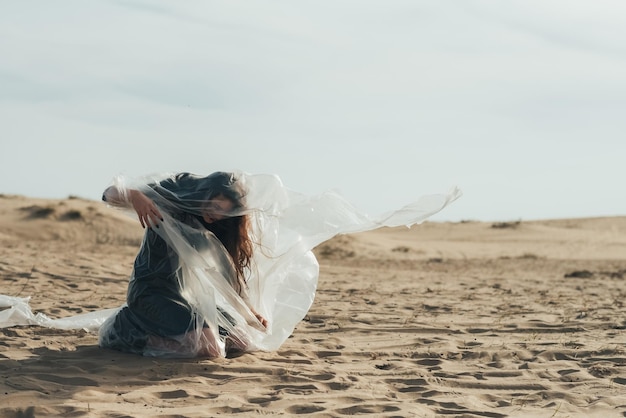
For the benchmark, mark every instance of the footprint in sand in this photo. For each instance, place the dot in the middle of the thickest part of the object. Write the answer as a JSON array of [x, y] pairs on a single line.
[[173, 394], [304, 409], [367, 409]]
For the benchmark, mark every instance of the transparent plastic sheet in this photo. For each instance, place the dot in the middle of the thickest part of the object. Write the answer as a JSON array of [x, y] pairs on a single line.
[[18, 312], [185, 297]]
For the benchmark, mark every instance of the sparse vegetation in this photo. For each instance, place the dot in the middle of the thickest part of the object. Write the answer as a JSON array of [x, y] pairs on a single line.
[[72, 215], [506, 225], [579, 274], [331, 251], [38, 212], [529, 256], [337, 248]]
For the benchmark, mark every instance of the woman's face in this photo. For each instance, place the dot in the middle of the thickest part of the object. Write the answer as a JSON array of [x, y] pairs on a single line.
[[217, 208]]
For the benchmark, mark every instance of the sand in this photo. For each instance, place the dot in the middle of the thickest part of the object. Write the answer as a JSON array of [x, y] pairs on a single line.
[[468, 319]]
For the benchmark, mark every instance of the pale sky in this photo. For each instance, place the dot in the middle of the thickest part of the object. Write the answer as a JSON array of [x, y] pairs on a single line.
[[521, 104]]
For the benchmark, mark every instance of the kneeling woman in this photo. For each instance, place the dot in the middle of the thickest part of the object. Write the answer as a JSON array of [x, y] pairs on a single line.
[[187, 295]]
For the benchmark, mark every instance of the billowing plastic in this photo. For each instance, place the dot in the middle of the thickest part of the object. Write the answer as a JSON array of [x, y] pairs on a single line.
[[186, 295], [18, 312]]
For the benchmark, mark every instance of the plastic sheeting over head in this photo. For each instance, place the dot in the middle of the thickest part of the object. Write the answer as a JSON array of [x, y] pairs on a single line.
[[230, 249]]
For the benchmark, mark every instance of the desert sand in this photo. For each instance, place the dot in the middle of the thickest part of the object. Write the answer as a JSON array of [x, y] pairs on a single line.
[[467, 319]]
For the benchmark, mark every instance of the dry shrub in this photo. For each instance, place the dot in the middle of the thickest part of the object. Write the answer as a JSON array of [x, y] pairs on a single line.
[[506, 225], [331, 251], [580, 274], [529, 256], [38, 212], [72, 215]]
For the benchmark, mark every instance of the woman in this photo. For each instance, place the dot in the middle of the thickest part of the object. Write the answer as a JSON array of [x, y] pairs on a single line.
[[161, 318]]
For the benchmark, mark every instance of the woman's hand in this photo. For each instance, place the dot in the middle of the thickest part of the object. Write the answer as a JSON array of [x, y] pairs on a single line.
[[262, 320], [259, 318], [147, 211]]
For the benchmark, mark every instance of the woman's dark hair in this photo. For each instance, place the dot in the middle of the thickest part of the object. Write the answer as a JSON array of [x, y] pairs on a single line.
[[188, 193], [232, 231]]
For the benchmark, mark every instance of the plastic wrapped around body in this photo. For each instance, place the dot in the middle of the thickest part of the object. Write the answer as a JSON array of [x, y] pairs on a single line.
[[190, 294]]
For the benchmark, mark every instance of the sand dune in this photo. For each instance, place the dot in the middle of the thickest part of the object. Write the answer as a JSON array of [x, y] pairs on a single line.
[[470, 319]]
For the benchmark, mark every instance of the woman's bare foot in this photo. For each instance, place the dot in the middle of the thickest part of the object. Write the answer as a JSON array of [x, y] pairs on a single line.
[[235, 346]]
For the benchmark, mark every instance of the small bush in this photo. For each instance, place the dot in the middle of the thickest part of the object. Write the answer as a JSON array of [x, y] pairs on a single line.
[[330, 251], [529, 256], [72, 215], [506, 225], [38, 212], [580, 274]]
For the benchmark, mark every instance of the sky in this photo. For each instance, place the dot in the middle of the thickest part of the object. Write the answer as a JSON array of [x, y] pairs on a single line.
[[520, 104]]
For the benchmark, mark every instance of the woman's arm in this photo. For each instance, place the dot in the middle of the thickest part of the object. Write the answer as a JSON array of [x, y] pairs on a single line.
[[147, 211]]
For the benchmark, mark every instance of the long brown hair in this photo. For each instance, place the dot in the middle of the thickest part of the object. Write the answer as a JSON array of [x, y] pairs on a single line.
[[233, 232]]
